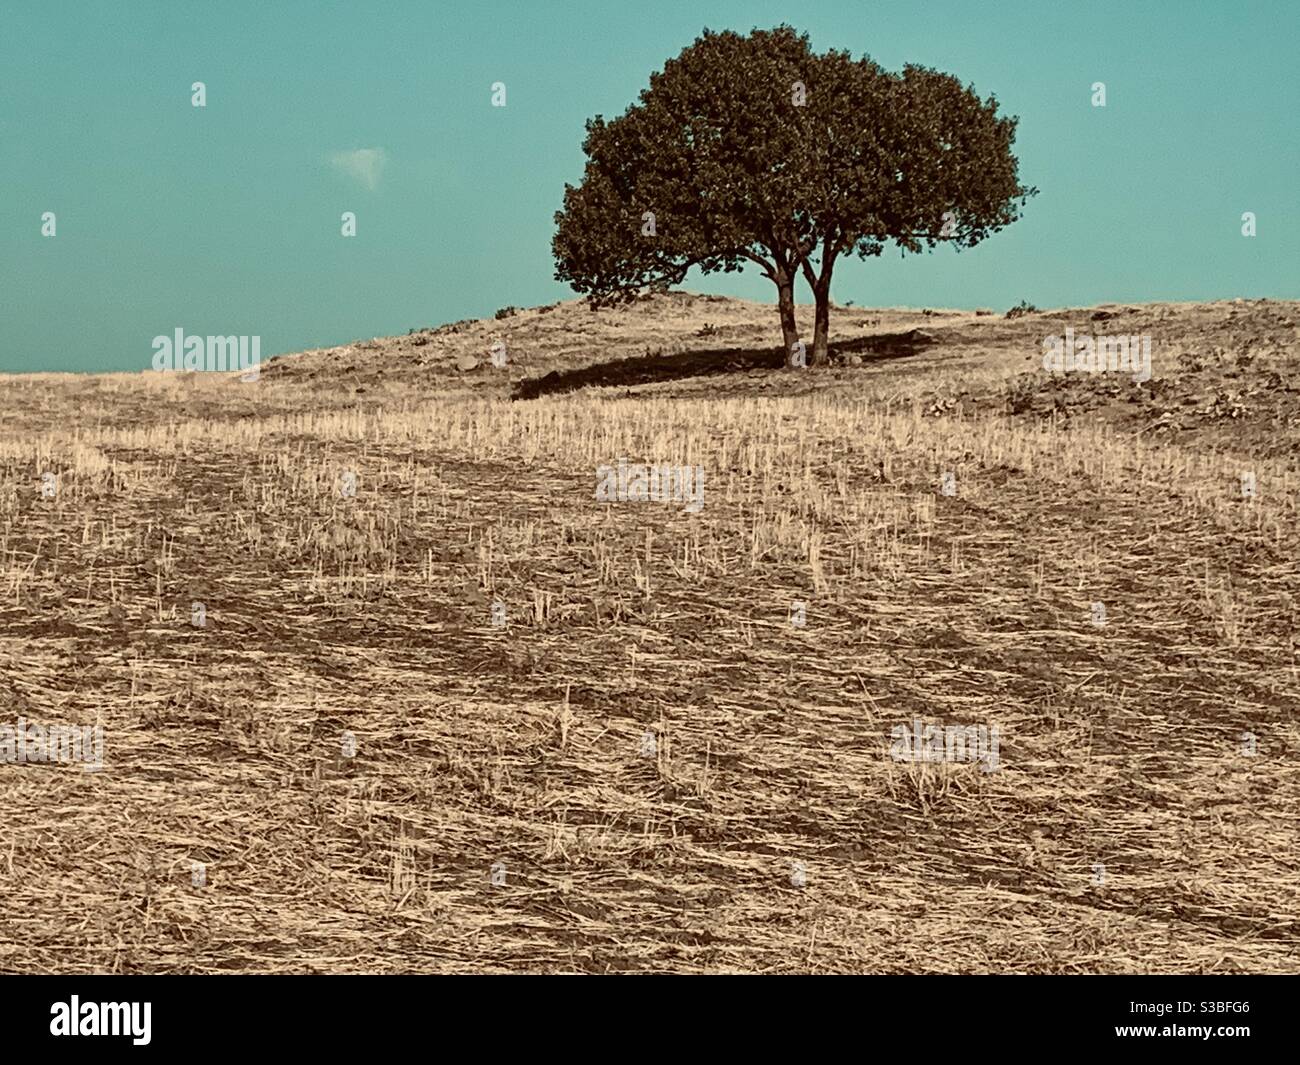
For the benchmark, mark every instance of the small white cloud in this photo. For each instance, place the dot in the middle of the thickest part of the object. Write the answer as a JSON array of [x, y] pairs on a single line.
[[363, 164]]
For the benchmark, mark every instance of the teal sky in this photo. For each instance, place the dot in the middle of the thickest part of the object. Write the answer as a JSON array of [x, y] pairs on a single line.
[[226, 219]]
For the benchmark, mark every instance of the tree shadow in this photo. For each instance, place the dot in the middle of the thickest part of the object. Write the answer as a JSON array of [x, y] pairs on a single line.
[[650, 369], [877, 347]]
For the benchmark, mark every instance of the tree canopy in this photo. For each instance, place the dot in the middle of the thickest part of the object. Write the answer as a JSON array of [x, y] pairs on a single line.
[[755, 149]]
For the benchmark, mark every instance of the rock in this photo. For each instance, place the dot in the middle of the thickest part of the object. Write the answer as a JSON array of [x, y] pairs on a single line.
[[853, 360], [466, 363], [981, 312]]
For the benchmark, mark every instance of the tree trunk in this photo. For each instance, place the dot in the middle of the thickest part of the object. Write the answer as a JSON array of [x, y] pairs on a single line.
[[822, 323], [789, 327]]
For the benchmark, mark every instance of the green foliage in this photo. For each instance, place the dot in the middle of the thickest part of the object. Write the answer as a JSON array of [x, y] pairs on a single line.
[[709, 151], [755, 148]]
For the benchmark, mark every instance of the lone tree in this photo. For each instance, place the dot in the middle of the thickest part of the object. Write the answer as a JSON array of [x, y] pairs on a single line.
[[757, 149]]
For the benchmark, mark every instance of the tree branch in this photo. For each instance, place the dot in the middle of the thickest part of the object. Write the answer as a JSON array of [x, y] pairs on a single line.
[[768, 268]]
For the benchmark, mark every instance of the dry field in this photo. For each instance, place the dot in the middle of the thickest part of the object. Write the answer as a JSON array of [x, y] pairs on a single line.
[[763, 826]]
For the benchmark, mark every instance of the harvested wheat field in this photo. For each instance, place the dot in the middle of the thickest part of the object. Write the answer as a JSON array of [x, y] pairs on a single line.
[[385, 687]]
